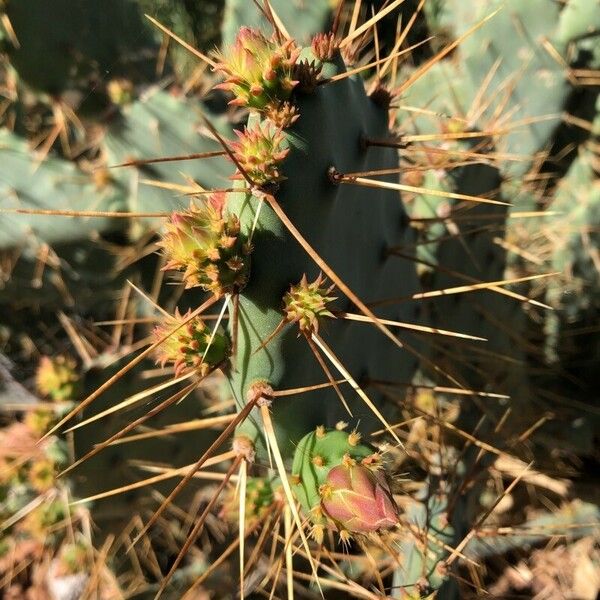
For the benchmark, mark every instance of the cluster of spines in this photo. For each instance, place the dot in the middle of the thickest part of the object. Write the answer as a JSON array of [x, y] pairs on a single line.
[[306, 303], [259, 71], [193, 346], [207, 247]]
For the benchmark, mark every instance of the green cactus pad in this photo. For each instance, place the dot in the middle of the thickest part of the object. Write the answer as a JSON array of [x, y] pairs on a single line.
[[330, 132]]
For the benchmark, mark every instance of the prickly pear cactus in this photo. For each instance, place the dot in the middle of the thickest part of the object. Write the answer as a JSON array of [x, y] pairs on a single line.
[[329, 135], [297, 243]]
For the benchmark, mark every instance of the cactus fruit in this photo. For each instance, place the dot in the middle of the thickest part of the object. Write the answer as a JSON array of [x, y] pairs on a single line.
[[207, 247], [340, 482], [194, 346], [305, 303], [258, 71]]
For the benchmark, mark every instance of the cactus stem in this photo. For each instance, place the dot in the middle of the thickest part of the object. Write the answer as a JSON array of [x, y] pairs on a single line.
[[280, 326], [234, 323]]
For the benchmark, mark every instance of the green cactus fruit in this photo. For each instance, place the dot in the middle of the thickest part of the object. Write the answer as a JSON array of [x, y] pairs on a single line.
[[339, 482], [306, 303], [261, 496], [259, 153], [194, 346], [258, 70], [207, 247]]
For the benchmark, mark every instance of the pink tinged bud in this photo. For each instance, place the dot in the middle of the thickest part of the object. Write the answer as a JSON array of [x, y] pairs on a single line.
[[275, 61], [237, 102], [359, 500], [270, 75]]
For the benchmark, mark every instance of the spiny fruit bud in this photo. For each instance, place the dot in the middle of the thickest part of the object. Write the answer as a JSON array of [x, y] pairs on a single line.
[[191, 346], [207, 247], [324, 46], [306, 302], [345, 487], [259, 151], [358, 499], [57, 378], [258, 70], [261, 495], [284, 115]]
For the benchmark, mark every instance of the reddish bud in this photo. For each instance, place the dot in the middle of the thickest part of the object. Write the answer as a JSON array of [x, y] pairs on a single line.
[[359, 500]]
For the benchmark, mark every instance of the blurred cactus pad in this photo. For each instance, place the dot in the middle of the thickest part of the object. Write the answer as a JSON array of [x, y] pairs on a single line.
[[299, 299]]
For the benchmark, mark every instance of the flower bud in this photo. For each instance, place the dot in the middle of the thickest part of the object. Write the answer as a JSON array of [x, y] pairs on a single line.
[[258, 70], [340, 482], [202, 243], [305, 303], [260, 151], [358, 499], [193, 346]]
